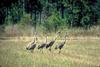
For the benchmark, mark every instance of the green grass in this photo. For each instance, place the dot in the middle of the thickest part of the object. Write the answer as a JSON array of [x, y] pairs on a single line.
[[76, 53]]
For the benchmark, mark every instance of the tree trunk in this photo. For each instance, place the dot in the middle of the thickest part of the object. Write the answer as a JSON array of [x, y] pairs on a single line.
[[35, 20], [40, 16]]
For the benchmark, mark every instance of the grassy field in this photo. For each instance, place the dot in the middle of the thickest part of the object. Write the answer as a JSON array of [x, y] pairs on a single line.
[[76, 53]]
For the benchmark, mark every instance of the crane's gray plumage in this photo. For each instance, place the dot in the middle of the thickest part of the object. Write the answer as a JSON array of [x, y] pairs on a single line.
[[32, 45], [43, 45], [50, 44], [61, 45]]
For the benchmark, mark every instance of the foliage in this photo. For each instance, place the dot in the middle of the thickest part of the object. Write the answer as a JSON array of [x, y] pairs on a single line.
[[52, 14], [54, 21], [14, 14]]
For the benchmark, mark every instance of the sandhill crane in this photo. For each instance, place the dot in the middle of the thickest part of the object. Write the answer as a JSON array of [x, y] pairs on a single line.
[[32, 45], [43, 44], [61, 45], [50, 44]]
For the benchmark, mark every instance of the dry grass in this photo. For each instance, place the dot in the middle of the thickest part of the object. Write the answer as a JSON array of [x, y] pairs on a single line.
[[76, 53], [28, 30]]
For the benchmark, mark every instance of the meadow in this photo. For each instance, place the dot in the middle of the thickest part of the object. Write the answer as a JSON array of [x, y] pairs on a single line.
[[76, 53], [22, 20]]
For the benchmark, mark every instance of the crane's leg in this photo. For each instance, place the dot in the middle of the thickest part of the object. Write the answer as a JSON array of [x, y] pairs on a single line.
[[42, 50], [59, 51], [50, 49], [39, 50], [31, 51]]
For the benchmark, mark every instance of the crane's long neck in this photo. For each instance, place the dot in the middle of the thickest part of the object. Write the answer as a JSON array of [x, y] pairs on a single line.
[[46, 39], [57, 34], [56, 37], [35, 39], [65, 39]]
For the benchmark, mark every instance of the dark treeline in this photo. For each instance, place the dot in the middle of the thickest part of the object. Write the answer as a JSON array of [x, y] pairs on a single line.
[[51, 13]]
